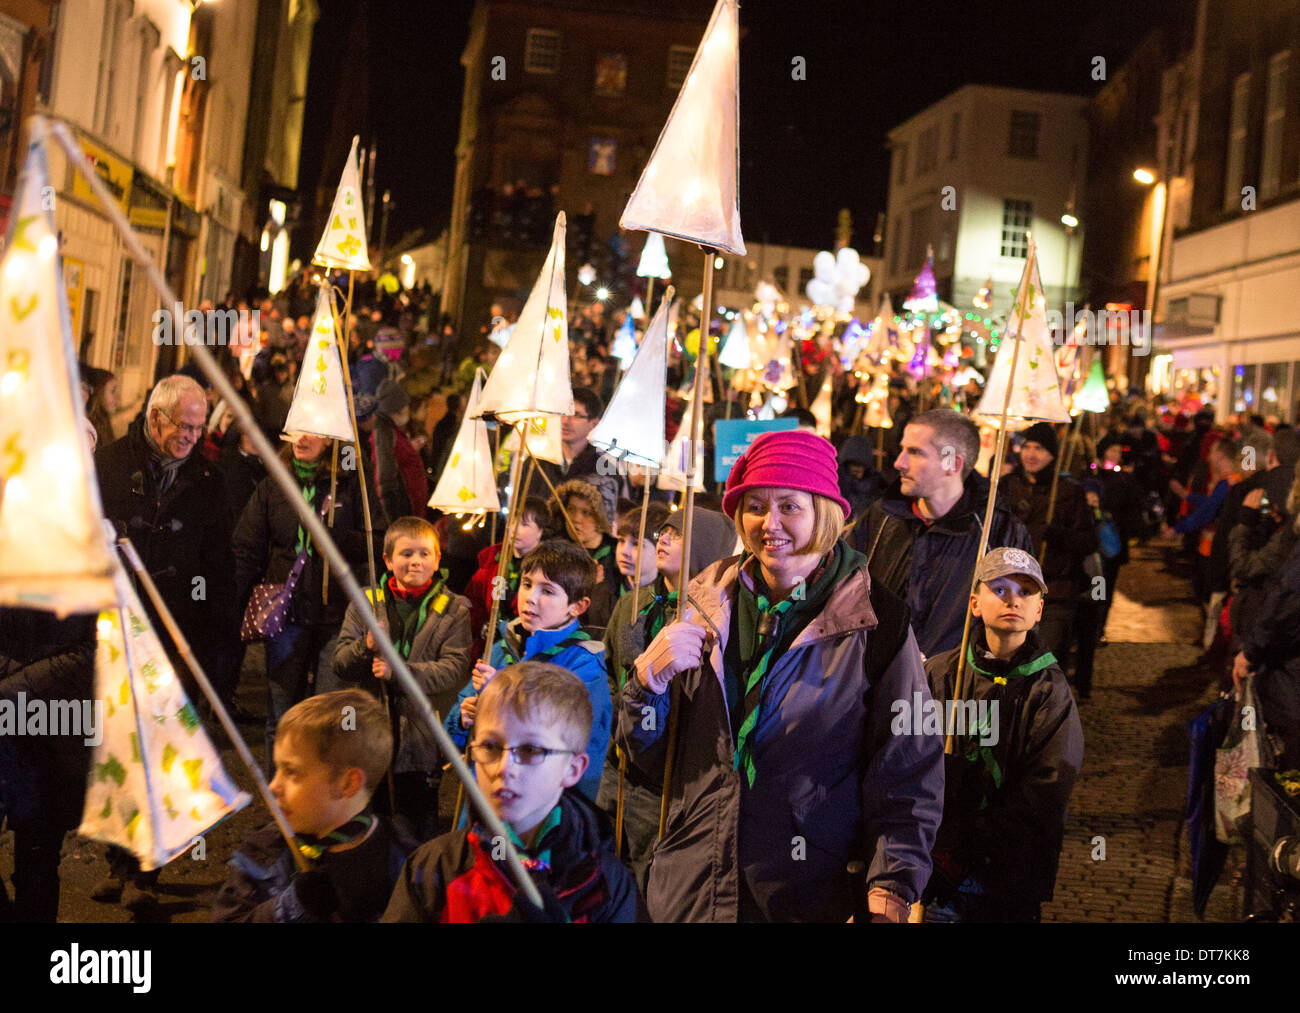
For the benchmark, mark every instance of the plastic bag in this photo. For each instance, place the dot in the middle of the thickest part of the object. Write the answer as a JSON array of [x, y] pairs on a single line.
[[1243, 747]]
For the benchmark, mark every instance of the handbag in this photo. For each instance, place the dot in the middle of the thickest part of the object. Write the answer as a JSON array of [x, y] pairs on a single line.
[[1242, 749], [268, 606]]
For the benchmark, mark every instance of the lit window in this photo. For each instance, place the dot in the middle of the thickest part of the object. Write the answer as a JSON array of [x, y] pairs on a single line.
[[1236, 143], [1274, 122], [1022, 140], [679, 65], [542, 51], [1017, 216]]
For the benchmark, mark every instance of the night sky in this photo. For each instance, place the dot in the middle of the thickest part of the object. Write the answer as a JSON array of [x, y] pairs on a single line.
[[808, 148]]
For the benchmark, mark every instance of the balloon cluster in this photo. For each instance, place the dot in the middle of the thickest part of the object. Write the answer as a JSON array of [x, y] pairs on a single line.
[[837, 277]]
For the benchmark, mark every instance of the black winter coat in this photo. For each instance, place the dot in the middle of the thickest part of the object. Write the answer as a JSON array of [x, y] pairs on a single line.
[[930, 565], [1070, 537], [265, 547], [181, 534]]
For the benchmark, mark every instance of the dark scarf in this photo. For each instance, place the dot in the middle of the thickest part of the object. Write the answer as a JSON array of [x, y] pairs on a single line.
[[764, 629], [412, 608], [162, 466]]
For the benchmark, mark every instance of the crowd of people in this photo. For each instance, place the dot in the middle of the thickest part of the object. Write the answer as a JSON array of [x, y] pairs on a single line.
[[766, 743]]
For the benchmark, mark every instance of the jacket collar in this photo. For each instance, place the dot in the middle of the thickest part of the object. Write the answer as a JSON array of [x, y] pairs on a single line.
[[540, 640], [966, 513]]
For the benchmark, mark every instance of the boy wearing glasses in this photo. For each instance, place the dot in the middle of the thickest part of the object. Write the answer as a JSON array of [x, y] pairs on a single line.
[[529, 749], [555, 585]]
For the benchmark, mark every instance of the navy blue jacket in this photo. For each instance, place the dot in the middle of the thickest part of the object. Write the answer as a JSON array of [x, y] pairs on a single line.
[[930, 565]]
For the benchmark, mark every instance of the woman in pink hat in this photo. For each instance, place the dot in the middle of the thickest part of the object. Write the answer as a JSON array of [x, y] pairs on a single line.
[[788, 665]]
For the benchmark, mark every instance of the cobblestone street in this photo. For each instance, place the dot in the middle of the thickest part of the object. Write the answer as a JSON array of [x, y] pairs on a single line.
[[1132, 791]]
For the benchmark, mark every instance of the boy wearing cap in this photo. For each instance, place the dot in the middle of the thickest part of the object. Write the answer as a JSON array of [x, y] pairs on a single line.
[[1007, 786]]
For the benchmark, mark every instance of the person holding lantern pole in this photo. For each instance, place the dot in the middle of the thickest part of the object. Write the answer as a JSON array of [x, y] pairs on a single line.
[[784, 768]]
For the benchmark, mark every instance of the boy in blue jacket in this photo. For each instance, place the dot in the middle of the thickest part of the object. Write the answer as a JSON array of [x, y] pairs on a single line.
[[556, 581]]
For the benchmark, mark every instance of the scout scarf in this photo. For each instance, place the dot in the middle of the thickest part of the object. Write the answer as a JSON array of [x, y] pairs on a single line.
[[764, 629], [412, 608], [359, 827], [305, 471]]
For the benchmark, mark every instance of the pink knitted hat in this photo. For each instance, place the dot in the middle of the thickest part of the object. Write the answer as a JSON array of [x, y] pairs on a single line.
[[793, 459]]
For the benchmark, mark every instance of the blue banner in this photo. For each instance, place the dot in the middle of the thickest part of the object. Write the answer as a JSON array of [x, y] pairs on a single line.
[[732, 437]]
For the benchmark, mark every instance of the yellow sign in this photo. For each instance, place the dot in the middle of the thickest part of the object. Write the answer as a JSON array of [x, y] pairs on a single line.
[[74, 273], [115, 173]]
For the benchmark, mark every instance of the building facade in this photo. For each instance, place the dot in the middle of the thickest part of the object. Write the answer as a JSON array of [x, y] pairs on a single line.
[[563, 102], [1229, 149], [970, 177]]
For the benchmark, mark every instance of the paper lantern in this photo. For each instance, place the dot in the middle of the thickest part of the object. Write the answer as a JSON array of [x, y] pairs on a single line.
[[1094, 397], [531, 377], [1035, 388], [672, 472], [690, 187], [924, 297], [320, 401], [633, 423], [654, 258], [821, 409], [156, 780], [624, 347], [343, 244], [53, 551], [468, 482], [735, 350]]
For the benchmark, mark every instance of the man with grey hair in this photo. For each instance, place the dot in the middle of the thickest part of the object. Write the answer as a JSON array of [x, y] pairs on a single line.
[[171, 503], [922, 537]]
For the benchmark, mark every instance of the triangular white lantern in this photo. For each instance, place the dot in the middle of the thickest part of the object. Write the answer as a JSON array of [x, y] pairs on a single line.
[[468, 482], [343, 244], [53, 553], [320, 401], [654, 258], [821, 409], [672, 473], [886, 339], [156, 780], [637, 309], [690, 187], [633, 424], [1036, 388], [877, 414], [624, 347], [531, 377], [735, 350], [543, 435]]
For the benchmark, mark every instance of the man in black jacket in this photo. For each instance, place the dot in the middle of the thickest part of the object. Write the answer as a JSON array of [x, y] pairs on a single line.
[[1061, 542], [171, 503], [921, 538]]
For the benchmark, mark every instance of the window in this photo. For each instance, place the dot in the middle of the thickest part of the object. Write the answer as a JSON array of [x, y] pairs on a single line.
[[679, 65], [805, 276], [1272, 390], [954, 137], [900, 162], [611, 75], [1274, 121], [1243, 388], [1236, 143], [1017, 216], [927, 151], [918, 235], [542, 51], [781, 278], [1022, 140]]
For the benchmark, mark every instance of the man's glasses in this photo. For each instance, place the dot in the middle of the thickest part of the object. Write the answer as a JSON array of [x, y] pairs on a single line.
[[183, 427], [668, 535], [527, 755], [581, 418]]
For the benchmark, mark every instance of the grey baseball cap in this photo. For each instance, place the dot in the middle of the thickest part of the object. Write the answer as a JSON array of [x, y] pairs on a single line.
[[1005, 562]]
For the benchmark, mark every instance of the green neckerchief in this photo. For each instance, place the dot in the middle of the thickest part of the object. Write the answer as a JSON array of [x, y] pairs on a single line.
[[656, 609], [999, 671], [411, 615], [306, 474], [539, 857], [789, 617], [312, 847], [576, 637]]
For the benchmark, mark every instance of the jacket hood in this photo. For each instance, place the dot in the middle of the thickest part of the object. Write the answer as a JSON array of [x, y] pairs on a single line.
[[713, 536]]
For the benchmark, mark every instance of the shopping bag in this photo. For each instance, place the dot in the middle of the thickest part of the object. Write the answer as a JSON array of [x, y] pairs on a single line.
[[1243, 748]]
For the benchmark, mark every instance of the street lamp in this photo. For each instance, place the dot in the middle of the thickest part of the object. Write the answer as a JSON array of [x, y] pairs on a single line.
[[1159, 213], [1144, 176], [1069, 221]]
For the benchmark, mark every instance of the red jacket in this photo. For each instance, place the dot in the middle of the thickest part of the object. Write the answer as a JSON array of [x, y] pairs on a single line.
[[479, 593]]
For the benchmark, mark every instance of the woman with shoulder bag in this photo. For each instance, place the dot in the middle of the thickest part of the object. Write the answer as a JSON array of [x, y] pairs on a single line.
[[301, 624]]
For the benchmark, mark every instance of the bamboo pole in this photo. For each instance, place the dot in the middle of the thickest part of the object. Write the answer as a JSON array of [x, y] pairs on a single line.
[[289, 489], [995, 473], [684, 576]]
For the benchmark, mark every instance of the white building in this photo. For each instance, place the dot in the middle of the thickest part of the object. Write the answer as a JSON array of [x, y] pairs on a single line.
[[971, 176], [1227, 326]]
